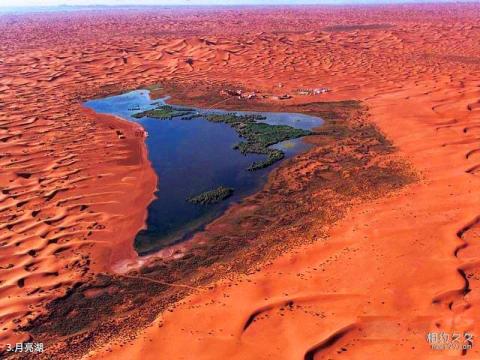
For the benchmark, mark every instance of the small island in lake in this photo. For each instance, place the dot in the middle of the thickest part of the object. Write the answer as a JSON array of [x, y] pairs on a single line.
[[212, 196]]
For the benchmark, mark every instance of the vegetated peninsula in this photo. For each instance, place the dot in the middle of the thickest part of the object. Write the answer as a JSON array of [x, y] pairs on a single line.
[[164, 112], [258, 136]]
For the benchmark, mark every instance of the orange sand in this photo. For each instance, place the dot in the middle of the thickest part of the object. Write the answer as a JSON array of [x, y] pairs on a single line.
[[389, 272], [384, 278]]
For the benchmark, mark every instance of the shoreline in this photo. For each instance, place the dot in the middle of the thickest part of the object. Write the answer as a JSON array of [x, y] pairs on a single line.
[[122, 253]]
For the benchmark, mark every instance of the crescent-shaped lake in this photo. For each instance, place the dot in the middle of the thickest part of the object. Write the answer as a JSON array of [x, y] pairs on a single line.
[[205, 159]]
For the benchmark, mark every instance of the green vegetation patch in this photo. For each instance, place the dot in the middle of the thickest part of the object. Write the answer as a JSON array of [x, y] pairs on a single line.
[[212, 196], [259, 136]]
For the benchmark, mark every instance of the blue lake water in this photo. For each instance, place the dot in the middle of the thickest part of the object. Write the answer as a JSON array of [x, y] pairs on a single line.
[[193, 156]]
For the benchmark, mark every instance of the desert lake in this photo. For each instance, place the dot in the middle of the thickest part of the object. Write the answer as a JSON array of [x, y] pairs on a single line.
[[195, 150]]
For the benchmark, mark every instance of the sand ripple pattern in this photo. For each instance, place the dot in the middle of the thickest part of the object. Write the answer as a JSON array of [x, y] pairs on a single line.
[[74, 186]]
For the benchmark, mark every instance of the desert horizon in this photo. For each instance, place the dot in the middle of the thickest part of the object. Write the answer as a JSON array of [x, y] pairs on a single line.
[[240, 182]]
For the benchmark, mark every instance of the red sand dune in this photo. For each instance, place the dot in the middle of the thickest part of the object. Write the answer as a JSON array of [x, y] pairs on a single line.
[[75, 185]]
